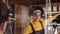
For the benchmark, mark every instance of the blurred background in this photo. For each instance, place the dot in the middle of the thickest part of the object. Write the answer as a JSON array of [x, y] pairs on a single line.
[[19, 12]]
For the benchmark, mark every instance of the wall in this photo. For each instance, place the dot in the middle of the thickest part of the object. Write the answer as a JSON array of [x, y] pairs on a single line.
[[21, 16]]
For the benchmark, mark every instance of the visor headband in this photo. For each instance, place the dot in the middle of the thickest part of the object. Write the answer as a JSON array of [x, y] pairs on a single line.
[[36, 11]]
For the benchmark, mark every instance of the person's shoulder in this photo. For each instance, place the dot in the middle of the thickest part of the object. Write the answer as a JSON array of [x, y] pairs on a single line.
[[28, 25]]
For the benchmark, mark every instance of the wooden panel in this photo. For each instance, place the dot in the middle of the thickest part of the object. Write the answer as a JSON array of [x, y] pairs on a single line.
[[21, 16], [17, 29]]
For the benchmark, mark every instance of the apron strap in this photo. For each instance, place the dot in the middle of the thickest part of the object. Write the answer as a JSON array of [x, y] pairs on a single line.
[[32, 27], [41, 24]]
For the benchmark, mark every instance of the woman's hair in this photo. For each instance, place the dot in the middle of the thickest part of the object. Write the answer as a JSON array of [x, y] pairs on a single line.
[[36, 8], [4, 12]]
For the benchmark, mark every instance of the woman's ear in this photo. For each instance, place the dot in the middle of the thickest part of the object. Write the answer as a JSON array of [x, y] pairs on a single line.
[[5, 26]]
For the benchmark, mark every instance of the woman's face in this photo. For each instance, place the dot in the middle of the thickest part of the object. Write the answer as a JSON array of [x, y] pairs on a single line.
[[37, 16]]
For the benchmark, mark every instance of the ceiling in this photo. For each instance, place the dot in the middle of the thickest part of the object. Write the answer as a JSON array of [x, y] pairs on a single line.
[[30, 2]]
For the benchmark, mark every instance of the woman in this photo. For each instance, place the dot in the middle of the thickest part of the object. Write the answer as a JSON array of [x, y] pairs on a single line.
[[38, 26], [4, 14]]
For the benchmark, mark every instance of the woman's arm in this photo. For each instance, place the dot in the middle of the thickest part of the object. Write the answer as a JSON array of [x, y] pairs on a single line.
[[52, 18]]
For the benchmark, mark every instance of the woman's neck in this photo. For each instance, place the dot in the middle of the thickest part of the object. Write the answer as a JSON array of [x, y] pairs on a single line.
[[36, 20]]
